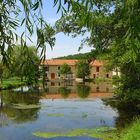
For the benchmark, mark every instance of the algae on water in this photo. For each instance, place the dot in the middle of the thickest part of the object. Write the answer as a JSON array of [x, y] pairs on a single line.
[[55, 115], [94, 133]]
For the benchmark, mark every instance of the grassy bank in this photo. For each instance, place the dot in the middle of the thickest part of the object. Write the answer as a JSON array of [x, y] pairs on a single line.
[[11, 83], [131, 132]]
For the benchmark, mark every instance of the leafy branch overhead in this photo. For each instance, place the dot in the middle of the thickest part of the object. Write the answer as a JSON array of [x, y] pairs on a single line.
[[28, 15], [113, 30]]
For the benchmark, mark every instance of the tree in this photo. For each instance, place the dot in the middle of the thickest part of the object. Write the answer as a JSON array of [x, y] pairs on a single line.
[[111, 25], [1, 72], [25, 64], [83, 69], [113, 28], [25, 14], [65, 69]]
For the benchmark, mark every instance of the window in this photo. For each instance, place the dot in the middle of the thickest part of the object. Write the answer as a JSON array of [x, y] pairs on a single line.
[[52, 84], [97, 69], [47, 68], [107, 75], [97, 89], [107, 89], [58, 75], [58, 67], [94, 75], [52, 75]]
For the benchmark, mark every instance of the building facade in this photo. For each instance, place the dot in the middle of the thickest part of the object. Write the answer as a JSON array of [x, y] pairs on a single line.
[[52, 68]]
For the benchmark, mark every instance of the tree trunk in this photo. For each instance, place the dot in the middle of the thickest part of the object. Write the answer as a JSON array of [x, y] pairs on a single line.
[[1, 100]]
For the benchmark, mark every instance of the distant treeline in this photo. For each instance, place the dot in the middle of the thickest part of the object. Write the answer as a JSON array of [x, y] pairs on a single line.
[[87, 55]]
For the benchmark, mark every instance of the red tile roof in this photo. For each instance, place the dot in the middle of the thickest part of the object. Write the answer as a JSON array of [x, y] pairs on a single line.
[[96, 63], [54, 62], [71, 62]]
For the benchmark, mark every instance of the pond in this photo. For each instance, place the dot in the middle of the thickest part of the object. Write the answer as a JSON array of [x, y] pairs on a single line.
[[59, 111]]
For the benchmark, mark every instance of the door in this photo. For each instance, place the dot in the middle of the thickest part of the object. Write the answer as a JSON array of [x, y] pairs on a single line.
[[52, 75]]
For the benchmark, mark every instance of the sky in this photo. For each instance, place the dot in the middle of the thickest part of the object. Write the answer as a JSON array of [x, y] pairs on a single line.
[[64, 45]]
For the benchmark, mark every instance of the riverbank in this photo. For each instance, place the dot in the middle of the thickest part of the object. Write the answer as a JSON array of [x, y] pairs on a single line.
[[131, 132]]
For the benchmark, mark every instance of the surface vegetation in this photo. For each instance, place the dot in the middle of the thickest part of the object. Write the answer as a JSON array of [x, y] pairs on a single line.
[[75, 132], [103, 133]]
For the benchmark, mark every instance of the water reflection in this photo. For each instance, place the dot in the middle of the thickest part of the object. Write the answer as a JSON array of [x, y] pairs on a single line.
[[70, 88], [29, 109], [64, 91], [83, 90], [14, 105], [127, 112]]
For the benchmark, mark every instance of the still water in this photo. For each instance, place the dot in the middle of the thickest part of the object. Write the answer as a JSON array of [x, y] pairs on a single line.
[[55, 108]]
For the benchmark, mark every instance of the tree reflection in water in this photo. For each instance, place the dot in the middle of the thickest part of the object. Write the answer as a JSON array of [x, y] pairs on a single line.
[[127, 111], [18, 115], [64, 91], [83, 90]]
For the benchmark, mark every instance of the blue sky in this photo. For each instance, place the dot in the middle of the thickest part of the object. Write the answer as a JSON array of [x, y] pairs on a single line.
[[65, 45]]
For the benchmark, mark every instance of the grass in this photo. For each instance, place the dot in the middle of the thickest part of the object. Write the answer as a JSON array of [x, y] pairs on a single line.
[[131, 132], [11, 83]]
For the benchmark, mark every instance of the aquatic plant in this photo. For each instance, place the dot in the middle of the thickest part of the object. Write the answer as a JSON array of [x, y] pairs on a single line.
[[95, 133]]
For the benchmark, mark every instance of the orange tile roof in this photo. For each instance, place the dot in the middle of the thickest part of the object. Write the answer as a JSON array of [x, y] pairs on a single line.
[[54, 62], [96, 63], [71, 62]]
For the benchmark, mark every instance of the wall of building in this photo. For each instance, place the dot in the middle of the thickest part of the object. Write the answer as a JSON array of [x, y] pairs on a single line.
[[100, 72], [52, 73], [54, 70]]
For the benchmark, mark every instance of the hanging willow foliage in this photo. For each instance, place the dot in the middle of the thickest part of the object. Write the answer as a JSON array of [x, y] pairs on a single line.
[[25, 14]]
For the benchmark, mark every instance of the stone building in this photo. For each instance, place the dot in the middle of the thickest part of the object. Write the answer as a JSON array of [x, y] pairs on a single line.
[[52, 68]]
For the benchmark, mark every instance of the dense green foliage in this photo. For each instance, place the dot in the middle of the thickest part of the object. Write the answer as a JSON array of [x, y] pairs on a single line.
[[114, 29], [83, 69], [65, 69], [12, 82], [25, 64], [111, 26]]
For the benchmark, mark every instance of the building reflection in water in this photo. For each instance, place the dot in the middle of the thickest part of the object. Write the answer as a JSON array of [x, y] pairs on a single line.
[[66, 88]]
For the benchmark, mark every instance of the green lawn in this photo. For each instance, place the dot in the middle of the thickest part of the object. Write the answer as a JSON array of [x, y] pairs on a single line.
[[11, 83]]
